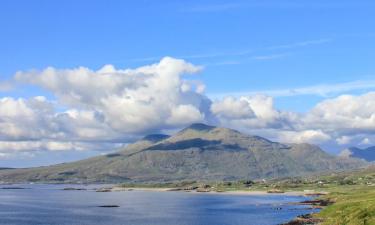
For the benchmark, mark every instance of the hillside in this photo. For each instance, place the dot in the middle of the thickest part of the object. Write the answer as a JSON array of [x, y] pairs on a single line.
[[198, 152]]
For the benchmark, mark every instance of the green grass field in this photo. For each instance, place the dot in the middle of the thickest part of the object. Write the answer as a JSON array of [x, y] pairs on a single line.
[[353, 206]]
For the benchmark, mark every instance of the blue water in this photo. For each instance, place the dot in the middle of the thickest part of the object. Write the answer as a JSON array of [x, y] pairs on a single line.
[[49, 205]]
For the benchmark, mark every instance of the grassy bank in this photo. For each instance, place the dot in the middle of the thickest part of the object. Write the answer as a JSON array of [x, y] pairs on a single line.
[[352, 194], [353, 206]]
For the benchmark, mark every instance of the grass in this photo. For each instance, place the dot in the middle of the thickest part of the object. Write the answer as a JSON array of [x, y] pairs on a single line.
[[353, 206]]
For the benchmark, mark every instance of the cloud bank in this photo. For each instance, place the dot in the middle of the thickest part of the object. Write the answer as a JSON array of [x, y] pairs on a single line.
[[109, 107]]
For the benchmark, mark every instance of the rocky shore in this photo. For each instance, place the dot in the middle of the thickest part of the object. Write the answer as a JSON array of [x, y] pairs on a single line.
[[309, 219], [306, 219]]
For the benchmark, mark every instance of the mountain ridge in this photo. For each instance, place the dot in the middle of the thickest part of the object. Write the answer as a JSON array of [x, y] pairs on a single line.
[[198, 152]]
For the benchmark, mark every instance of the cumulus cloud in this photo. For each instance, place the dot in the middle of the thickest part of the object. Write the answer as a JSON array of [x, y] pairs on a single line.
[[252, 111], [231, 108], [107, 105], [345, 120], [19, 116], [304, 136], [346, 114], [257, 115], [184, 114], [128, 101], [106, 108]]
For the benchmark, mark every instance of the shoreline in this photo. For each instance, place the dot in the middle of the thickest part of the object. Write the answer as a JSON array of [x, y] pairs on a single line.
[[111, 188], [234, 192], [114, 188]]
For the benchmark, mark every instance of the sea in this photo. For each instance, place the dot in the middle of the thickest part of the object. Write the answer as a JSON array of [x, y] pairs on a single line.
[[51, 205]]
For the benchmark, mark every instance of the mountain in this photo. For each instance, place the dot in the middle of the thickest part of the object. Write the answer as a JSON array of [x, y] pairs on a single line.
[[367, 154], [198, 152]]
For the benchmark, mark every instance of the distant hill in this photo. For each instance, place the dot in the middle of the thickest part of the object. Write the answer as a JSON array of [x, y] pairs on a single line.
[[198, 152], [367, 154]]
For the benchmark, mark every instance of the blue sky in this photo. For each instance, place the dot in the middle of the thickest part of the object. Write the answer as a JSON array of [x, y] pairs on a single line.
[[230, 38], [246, 47]]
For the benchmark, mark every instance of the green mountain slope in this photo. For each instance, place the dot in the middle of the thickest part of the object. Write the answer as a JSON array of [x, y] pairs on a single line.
[[198, 152]]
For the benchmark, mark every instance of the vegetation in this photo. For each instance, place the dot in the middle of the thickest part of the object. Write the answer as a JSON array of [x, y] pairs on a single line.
[[354, 197], [353, 206]]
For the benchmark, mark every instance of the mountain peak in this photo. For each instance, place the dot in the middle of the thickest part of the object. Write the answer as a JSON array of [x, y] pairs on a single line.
[[200, 127]]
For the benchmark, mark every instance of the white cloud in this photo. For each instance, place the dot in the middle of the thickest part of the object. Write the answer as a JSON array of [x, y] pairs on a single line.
[[19, 116], [128, 101], [343, 140], [185, 114], [10, 147], [103, 107], [36, 118], [305, 136], [366, 141], [347, 119], [253, 112], [111, 106], [346, 114], [231, 108]]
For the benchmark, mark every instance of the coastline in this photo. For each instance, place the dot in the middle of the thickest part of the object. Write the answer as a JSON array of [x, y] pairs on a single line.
[[234, 192], [110, 188]]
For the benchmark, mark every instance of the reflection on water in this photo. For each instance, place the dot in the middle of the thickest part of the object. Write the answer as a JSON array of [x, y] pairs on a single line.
[[50, 205]]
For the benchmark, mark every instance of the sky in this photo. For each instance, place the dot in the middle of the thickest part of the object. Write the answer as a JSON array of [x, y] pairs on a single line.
[[84, 78]]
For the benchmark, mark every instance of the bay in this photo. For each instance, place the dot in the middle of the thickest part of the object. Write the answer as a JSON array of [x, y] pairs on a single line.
[[50, 205]]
